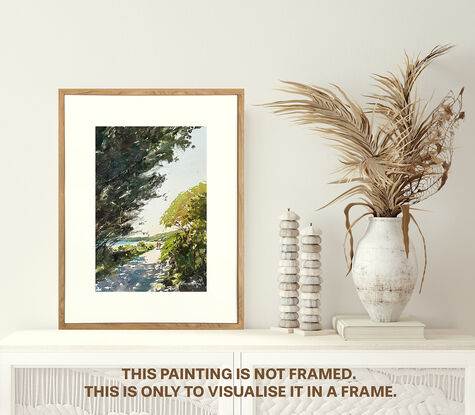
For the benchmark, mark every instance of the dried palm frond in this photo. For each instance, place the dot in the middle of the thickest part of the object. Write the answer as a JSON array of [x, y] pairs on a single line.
[[395, 152]]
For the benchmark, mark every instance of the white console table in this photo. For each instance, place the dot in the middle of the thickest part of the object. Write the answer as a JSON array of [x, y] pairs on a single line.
[[235, 340], [24, 354]]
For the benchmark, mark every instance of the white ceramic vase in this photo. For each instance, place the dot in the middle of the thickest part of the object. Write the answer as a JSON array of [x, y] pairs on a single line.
[[383, 275]]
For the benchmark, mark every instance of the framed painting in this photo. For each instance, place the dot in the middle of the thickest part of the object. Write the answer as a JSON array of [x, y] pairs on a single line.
[[151, 209]]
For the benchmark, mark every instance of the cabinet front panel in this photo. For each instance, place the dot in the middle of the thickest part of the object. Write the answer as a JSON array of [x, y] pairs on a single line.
[[363, 382], [46, 384]]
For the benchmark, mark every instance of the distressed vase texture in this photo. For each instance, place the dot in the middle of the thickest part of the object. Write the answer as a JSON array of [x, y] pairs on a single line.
[[384, 277]]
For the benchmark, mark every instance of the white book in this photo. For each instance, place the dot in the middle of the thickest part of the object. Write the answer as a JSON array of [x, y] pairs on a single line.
[[360, 327]]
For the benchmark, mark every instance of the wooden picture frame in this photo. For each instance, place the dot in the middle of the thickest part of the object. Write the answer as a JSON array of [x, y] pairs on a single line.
[[238, 95]]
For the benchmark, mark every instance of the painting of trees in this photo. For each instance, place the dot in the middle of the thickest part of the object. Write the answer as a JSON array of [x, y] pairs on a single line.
[[128, 161]]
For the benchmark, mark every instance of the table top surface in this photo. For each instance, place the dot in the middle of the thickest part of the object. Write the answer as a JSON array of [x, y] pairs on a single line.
[[205, 340]]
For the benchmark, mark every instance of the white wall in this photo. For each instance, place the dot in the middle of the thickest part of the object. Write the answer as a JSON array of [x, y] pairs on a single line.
[[51, 44]]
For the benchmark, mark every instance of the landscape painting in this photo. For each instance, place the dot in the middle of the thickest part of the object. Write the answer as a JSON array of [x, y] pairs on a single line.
[[151, 203]]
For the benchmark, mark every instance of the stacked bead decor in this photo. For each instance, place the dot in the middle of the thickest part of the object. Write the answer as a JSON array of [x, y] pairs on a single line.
[[288, 272], [310, 281]]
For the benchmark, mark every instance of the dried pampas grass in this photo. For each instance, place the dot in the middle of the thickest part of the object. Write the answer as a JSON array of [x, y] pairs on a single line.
[[395, 152]]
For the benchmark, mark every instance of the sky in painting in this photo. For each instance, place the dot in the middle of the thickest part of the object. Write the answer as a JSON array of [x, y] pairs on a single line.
[[188, 171]]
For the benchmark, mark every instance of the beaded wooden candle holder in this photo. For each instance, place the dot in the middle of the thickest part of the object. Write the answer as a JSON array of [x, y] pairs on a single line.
[[310, 281], [288, 272]]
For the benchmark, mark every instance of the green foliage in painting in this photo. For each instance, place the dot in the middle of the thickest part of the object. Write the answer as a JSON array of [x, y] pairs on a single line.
[[185, 250], [128, 161]]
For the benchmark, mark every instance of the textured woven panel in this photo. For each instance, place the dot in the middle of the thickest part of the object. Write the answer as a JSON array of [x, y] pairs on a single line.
[[70, 410], [419, 392], [411, 399], [450, 381], [46, 389], [50, 410]]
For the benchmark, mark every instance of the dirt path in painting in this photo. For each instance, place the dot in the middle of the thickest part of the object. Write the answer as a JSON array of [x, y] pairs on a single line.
[[151, 257], [140, 274]]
